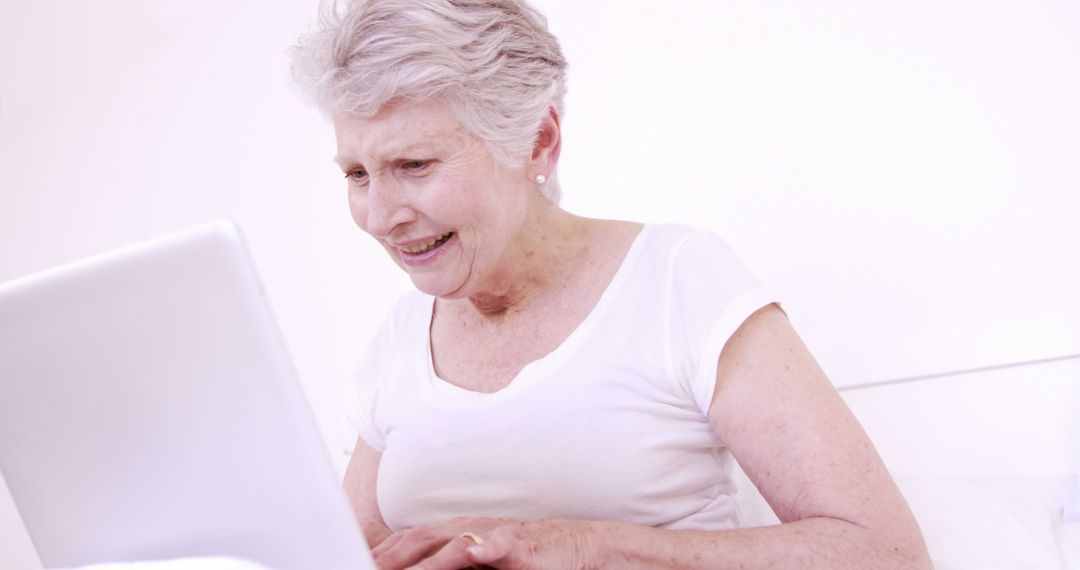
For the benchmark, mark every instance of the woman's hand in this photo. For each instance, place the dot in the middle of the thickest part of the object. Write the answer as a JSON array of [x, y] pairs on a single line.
[[506, 544]]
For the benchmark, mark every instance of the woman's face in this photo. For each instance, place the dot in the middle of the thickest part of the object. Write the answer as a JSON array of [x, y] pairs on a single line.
[[432, 195]]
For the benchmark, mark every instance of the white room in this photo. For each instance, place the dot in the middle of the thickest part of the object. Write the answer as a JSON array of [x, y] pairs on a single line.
[[904, 177]]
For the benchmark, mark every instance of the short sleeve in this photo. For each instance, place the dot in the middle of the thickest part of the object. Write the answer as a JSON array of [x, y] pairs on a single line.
[[364, 390], [711, 294], [375, 369]]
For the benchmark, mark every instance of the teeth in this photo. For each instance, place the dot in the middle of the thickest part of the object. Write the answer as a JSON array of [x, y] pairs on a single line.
[[421, 248]]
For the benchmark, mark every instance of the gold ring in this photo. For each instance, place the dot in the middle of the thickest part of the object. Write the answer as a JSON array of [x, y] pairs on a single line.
[[470, 536]]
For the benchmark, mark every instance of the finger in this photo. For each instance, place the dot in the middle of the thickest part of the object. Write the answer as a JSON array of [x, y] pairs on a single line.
[[452, 556], [414, 545], [387, 543], [500, 545]]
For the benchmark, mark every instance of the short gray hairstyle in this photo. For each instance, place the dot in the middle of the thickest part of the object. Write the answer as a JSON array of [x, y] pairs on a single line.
[[493, 61]]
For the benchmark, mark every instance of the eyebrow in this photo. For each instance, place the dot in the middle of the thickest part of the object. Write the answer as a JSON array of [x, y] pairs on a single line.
[[409, 148]]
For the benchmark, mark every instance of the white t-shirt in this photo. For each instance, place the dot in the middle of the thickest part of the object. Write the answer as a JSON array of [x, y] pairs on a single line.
[[611, 425]]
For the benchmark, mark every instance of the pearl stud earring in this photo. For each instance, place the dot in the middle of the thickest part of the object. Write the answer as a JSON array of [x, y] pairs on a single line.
[[540, 179]]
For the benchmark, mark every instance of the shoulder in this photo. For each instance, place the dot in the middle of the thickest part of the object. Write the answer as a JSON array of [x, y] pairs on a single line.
[[680, 240], [403, 327], [692, 254], [688, 266], [406, 316], [659, 237]]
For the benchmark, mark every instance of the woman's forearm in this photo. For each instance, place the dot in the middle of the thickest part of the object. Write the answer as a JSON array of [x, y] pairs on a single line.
[[810, 543]]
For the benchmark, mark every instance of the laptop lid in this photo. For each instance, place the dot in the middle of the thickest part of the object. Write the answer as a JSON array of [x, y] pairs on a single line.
[[148, 410]]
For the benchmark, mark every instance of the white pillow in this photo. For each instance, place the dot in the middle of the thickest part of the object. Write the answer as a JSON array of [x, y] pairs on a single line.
[[1068, 538], [1068, 535], [1071, 503], [989, 523]]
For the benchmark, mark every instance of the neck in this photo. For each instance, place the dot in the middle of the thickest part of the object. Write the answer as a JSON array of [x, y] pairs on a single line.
[[542, 260]]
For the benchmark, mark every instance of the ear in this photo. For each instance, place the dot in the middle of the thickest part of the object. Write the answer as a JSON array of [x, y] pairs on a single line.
[[548, 144]]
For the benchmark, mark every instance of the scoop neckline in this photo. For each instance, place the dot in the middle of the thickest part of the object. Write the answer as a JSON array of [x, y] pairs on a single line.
[[445, 391]]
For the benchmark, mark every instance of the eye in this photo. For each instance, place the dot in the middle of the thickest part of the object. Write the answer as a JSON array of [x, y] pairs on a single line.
[[415, 166], [356, 176]]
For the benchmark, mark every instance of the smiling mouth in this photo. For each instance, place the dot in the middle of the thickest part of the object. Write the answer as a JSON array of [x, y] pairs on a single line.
[[426, 247]]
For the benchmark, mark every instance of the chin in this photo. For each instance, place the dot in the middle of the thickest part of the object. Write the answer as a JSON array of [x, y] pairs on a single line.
[[435, 288]]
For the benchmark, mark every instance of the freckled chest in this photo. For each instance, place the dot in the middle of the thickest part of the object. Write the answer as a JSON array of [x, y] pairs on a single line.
[[486, 354]]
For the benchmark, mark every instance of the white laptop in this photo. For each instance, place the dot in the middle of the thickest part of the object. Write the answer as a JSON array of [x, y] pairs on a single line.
[[148, 410]]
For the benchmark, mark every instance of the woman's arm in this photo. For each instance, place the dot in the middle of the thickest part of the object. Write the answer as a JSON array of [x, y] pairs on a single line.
[[359, 485], [809, 457]]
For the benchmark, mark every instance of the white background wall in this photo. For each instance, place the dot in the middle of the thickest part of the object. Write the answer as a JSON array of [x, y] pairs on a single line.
[[905, 175]]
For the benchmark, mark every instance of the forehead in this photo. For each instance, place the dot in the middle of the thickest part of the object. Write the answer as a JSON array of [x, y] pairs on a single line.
[[403, 128]]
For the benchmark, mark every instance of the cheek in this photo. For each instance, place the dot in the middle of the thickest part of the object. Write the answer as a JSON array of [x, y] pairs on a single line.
[[358, 209]]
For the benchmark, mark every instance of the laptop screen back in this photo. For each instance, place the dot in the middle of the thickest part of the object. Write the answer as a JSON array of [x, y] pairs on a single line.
[[148, 410]]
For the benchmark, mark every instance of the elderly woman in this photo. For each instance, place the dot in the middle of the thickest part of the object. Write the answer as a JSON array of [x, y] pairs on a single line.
[[563, 392]]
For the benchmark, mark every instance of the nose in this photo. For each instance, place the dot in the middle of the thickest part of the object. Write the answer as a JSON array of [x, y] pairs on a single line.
[[384, 207]]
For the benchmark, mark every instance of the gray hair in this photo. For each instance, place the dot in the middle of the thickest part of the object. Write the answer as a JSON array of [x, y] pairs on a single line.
[[493, 61]]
